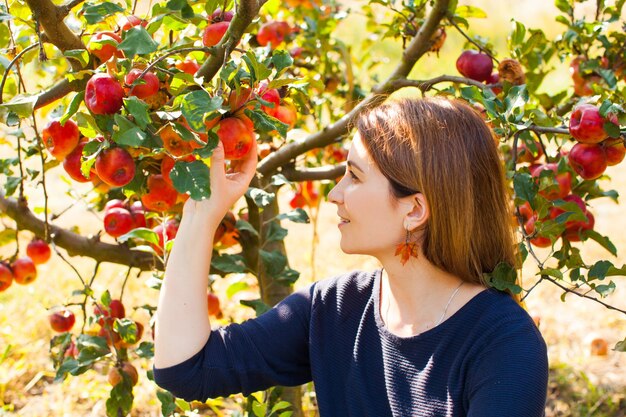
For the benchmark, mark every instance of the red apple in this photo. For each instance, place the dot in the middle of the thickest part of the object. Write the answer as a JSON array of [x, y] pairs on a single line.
[[115, 166], [556, 211], [103, 94], [161, 196], [214, 33], [118, 222], [271, 96], [236, 137], [147, 86], [6, 276], [60, 140], [104, 45], [39, 251], [588, 160], [62, 320], [106, 315], [587, 125], [573, 231], [115, 203], [115, 374], [273, 33], [131, 21], [24, 271], [564, 181], [615, 150], [525, 154], [494, 78], [166, 232], [219, 16], [539, 241], [72, 163], [190, 66], [287, 114], [475, 65]]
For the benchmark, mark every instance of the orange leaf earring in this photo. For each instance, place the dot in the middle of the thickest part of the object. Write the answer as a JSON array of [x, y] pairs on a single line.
[[406, 249]]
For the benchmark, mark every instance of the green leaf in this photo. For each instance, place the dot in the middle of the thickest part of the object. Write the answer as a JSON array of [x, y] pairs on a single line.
[[142, 233], [192, 178], [278, 180], [22, 105], [257, 70], [243, 225], [127, 133], [620, 346], [611, 129], [7, 236], [90, 349], [602, 240], [517, 36], [504, 277], [127, 329], [274, 262], [236, 287], [551, 272], [599, 270], [470, 11], [605, 289], [11, 185], [168, 406], [195, 105], [265, 123], [281, 60], [80, 55], [259, 306], [69, 366], [297, 216], [73, 107], [105, 299], [145, 350], [94, 13], [120, 401], [525, 187], [564, 6], [139, 110], [261, 198], [275, 233], [137, 41], [229, 263]]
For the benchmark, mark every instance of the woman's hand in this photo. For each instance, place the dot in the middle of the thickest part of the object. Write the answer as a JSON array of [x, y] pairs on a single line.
[[226, 187]]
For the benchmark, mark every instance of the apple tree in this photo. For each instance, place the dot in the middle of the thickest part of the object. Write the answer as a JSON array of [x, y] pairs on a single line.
[[134, 102]]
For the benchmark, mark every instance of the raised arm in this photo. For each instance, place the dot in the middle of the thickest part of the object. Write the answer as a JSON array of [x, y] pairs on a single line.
[[182, 323]]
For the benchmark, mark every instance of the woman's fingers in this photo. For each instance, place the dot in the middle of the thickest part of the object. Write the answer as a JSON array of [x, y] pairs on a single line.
[[217, 163]]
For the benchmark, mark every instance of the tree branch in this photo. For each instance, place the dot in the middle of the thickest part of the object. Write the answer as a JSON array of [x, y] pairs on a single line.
[[329, 172], [75, 244], [58, 91], [414, 51], [57, 33], [426, 85], [246, 12], [66, 8]]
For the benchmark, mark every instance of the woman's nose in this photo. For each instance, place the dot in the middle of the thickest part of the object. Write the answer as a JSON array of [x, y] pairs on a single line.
[[335, 195]]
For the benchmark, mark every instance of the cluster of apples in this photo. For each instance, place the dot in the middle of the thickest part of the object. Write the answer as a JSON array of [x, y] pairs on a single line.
[[478, 66], [23, 270], [594, 150]]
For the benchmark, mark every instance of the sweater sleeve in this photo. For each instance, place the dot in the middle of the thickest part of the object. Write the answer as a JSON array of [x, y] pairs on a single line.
[[272, 349], [511, 375]]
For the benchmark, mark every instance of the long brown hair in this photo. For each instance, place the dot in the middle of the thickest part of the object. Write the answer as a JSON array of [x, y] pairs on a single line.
[[443, 149]]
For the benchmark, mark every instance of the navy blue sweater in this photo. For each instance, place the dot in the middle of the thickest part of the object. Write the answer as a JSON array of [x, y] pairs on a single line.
[[486, 360]]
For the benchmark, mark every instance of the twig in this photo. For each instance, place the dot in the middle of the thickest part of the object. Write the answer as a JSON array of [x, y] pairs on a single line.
[[124, 283], [46, 230], [13, 61], [473, 42], [555, 282], [426, 85], [210, 50], [329, 172]]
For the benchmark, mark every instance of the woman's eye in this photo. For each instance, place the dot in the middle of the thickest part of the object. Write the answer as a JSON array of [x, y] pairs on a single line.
[[354, 177]]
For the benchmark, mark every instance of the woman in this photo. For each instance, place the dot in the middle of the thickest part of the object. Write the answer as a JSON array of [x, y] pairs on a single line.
[[424, 193]]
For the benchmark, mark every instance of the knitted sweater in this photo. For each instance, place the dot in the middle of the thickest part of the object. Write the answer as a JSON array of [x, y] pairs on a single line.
[[486, 360]]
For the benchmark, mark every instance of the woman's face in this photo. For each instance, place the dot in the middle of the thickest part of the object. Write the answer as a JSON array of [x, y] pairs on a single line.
[[370, 223]]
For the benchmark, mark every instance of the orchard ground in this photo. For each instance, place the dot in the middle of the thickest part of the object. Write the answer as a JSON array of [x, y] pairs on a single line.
[[26, 370]]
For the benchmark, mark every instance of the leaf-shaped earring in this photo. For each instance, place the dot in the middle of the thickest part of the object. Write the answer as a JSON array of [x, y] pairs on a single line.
[[406, 249]]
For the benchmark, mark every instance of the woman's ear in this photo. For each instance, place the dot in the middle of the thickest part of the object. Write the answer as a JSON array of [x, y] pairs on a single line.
[[419, 212]]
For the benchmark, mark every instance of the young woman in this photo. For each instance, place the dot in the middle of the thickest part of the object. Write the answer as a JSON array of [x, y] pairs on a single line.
[[424, 193]]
